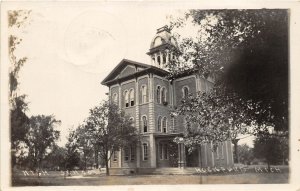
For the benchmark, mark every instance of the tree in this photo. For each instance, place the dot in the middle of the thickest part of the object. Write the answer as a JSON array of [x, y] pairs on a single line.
[[84, 144], [246, 53], [270, 148], [72, 157], [40, 137], [245, 154], [18, 106], [55, 159], [109, 130]]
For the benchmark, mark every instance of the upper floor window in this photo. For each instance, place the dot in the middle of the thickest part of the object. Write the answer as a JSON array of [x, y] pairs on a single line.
[[145, 124], [163, 95], [115, 98], [144, 94], [159, 124], [164, 125], [126, 98], [158, 94], [185, 92], [131, 97]]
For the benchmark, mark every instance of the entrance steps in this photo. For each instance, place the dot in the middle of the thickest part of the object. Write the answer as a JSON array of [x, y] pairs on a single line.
[[174, 170]]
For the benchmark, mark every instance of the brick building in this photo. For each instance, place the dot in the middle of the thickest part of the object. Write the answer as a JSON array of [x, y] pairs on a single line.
[[144, 93]]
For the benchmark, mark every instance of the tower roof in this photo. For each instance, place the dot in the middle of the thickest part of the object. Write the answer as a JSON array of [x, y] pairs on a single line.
[[163, 37]]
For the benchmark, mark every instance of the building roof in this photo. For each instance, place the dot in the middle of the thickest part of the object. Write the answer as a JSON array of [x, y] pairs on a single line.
[[113, 77], [162, 39]]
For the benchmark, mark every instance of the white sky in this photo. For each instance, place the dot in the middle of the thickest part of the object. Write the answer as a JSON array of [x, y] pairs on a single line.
[[70, 51]]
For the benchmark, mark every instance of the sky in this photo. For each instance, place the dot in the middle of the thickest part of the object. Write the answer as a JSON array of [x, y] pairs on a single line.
[[71, 49]]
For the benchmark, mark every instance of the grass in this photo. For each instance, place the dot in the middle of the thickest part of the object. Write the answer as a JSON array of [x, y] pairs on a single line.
[[247, 178]]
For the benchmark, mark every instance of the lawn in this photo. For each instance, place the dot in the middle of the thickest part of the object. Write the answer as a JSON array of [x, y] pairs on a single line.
[[246, 178]]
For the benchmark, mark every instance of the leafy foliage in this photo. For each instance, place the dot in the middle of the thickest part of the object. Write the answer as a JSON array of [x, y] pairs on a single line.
[[272, 148], [41, 136], [18, 106], [245, 53], [109, 129], [245, 154]]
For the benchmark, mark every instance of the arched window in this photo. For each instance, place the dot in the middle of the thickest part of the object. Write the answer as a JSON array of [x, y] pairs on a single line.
[[163, 95], [115, 98], [131, 97], [158, 60], [145, 124], [144, 94], [164, 59], [159, 124], [164, 125], [158, 94], [126, 98], [185, 92]]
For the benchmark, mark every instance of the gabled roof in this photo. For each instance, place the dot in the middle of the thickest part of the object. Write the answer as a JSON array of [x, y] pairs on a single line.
[[112, 76]]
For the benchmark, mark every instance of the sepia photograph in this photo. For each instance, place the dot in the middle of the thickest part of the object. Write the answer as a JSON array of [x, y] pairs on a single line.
[[132, 93]]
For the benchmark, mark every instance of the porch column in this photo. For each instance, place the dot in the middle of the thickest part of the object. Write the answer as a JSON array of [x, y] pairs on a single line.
[[181, 156]]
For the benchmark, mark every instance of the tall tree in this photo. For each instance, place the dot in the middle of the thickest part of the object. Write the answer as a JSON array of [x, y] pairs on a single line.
[[272, 148], [84, 144], [110, 130], [40, 137], [18, 106], [72, 157], [246, 53]]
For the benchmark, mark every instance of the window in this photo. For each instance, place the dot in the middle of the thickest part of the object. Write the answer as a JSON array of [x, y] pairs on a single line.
[[159, 124], [164, 125], [115, 156], [126, 154], [144, 94], [163, 95], [158, 60], [132, 153], [144, 121], [185, 91], [163, 59], [145, 151], [115, 98], [126, 98], [158, 94], [131, 97]]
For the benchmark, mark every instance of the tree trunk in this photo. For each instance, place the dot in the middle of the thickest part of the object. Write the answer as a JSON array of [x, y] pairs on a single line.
[[106, 165]]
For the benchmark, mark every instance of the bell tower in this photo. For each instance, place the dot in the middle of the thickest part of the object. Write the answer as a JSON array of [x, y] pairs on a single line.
[[161, 47]]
